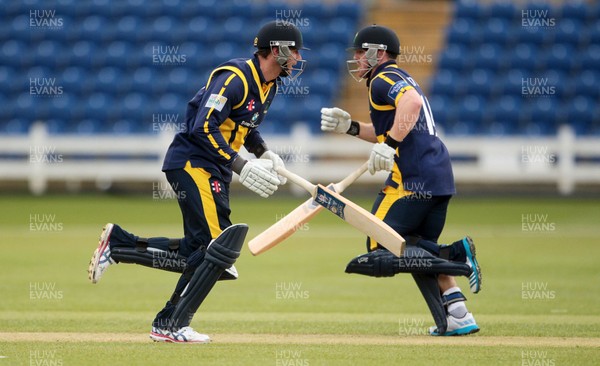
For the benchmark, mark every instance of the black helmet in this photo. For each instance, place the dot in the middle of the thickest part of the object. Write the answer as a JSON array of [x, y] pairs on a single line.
[[373, 39], [377, 35], [284, 36], [277, 31]]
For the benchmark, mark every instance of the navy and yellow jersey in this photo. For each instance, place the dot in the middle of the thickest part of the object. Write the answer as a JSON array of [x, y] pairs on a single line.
[[422, 163], [222, 117]]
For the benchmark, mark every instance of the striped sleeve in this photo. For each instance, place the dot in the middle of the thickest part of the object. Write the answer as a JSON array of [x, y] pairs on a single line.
[[224, 91]]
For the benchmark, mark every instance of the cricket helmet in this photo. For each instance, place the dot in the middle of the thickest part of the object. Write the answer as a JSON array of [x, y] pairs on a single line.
[[284, 36], [372, 39]]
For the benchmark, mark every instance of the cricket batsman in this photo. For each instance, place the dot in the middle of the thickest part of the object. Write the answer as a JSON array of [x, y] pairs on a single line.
[[416, 193], [221, 118]]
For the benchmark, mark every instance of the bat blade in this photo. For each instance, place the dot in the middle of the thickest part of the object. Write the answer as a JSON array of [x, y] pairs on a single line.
[[302, 214], [361, 219], [284, 228]]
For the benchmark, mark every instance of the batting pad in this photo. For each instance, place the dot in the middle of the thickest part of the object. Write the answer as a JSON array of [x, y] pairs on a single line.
[[220, 255], [382, 263]]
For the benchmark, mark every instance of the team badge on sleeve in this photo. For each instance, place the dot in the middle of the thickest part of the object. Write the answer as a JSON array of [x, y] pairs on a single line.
[[397, 88], [216, 101]]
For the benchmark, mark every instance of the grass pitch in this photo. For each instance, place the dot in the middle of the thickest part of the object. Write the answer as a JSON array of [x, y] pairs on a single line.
[[294, 305]]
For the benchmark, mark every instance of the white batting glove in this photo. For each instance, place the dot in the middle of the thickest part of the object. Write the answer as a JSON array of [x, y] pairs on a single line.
[[258, 176], [382, 158], [335, 120], [277, 163]]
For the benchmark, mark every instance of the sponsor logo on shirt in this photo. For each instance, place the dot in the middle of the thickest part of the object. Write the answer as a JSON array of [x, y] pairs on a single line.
[[396, 88], [216, 101]]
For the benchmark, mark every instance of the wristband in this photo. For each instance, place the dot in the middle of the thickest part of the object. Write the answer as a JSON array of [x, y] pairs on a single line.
[[238, 164], [354, 129], [391, 142], [259, 150]]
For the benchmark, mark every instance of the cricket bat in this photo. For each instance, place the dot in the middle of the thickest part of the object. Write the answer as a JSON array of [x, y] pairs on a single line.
[[288, 225], [352, 213]]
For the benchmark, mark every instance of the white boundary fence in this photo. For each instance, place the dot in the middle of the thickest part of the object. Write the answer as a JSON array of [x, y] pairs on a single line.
[[39, 157]]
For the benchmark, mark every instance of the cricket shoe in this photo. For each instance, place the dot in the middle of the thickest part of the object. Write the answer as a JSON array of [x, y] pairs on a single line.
[[457, 326], [475, 277], [101, 258], [183, 335], [230, 273]]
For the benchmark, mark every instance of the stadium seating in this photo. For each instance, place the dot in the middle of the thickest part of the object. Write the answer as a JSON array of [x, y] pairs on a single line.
[[531, 65], [102, 56]]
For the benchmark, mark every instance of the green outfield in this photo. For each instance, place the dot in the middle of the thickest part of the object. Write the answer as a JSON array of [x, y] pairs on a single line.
[[294, 305]]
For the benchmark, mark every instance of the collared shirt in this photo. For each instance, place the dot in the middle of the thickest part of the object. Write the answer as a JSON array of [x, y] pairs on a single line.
[[223, 116], [422, 163]]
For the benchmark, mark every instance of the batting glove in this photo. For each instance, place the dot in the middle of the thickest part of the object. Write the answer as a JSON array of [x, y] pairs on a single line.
[[277, 163], [257, 175], [335, 120], [382, 158]]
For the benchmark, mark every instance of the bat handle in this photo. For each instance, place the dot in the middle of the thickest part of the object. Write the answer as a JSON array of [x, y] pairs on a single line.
[[344, 183], [311, 188]]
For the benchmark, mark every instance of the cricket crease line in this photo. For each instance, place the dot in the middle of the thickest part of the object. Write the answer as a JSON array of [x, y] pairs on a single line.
[[315, 339]]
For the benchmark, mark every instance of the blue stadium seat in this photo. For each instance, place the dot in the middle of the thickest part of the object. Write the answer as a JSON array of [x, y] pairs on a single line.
[[479, 82], [108, 79], [11, 52], [465, 31], [116, 53], [504, 9], [142, 80], [84, 127], [530, 35], [162, 28], [441, 109], [469, 9], [580, 114], [172, 103], [559, 57], [332, 56], [321, 81], [93, 28], [60, 108], [502, 115], [586, 84], [97, 106], [82, 54], [489, 56], [235, 29], [470, 111], [497, 30], [349, 9], [55, 126], [455, 57], [590, 58], [341, 30], [128, 28], [224, 51], [446, 82], [15, 126], [574, 9], [569, 31], [523, 57], [544, 115]]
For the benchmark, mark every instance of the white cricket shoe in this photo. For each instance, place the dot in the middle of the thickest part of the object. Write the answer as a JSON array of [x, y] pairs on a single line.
[[457, 326], [183, 335], [101, 258]]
